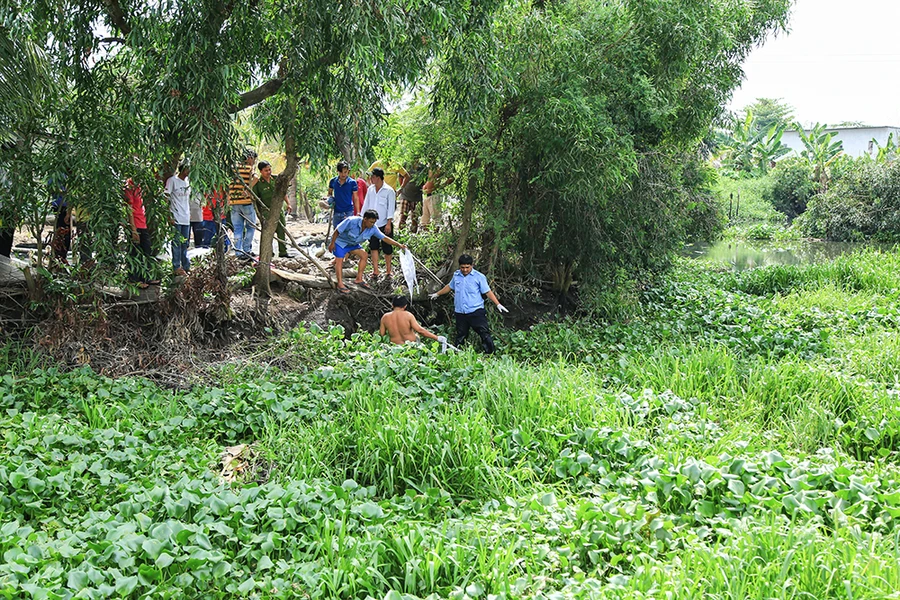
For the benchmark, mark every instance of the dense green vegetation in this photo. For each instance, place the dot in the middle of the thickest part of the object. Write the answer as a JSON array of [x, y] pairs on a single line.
[[863, 203], [849, 199], [736, 437], [589, 128], [860, 201]]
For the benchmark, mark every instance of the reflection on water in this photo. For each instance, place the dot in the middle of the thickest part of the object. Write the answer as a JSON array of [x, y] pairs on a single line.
[[742, 255]]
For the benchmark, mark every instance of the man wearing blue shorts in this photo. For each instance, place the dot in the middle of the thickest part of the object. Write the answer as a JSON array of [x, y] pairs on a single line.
[[343, 194], [348, 238]]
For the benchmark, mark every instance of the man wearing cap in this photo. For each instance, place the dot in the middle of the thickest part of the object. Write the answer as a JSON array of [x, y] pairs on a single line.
[[243, 215], [470, 287], [347, 239], [381, 198]]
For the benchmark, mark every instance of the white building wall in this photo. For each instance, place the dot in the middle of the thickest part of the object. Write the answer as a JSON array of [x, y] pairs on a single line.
[[856, 140]]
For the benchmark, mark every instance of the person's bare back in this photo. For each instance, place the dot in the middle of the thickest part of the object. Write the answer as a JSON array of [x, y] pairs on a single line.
[[401, 325]]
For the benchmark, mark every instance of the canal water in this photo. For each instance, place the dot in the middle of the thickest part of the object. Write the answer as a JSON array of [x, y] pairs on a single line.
[[743, 254]]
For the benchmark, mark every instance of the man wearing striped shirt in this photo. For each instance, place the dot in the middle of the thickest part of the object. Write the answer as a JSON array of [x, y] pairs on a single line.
[[243, 215]]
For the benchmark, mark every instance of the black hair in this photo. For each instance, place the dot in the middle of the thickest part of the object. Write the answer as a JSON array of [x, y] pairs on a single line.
[[465, 259], [378, 172], [249, 153], [262, 165], [400, 302], [342, 165], [370, 214]]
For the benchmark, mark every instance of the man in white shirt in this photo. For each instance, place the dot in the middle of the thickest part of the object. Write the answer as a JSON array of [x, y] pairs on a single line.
[[381, 198], [178, 189]]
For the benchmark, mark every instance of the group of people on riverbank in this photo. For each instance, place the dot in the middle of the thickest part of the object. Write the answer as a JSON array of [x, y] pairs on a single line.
[[363, 211], [361, 217]]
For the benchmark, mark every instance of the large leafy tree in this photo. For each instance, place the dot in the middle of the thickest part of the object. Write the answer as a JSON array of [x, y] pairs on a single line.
[[28, 94], [561, 111], [147, 83], [769, 113]]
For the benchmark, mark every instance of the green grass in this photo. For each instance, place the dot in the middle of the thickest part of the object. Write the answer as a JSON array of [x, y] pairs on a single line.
[[738, 436], [750, 216], [753, 208]]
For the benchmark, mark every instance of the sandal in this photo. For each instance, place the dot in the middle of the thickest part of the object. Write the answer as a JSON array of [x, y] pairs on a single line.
[[363, 285], [343, 290]]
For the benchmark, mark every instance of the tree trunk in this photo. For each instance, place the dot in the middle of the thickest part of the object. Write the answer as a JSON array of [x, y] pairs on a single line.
[[563, 275], [488, 237], [221, 270], [508, 209], [270, 224], [302, 197], [291, 197], [468, 209]]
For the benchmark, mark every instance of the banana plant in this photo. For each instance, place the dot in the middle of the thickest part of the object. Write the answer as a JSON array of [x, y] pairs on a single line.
[[820, 150], [888, 152], [770, 149], [749, 149]]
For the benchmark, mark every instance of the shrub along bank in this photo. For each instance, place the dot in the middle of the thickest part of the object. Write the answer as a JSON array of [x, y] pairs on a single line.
[[733, 417], [863, 203], [859, 201]]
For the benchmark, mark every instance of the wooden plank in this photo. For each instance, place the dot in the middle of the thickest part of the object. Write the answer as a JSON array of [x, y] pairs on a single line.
[[11, 271], [303, 279]]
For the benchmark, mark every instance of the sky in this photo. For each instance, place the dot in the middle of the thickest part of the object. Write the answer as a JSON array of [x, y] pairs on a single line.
[[839, 61]]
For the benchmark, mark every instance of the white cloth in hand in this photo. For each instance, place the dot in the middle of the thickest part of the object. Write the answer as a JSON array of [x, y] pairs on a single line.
[[408, 266], [433, 296]]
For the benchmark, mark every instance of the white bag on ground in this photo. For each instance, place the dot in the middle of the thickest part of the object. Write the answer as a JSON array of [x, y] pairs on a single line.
[[408, 266]]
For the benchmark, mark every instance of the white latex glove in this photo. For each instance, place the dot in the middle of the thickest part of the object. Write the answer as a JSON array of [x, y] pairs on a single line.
[[502, 309], [433, 296], [442, 339]]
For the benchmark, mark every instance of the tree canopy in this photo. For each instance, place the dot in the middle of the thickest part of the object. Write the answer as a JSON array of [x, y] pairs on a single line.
[[769, 113], [145, 84], [572, 125]]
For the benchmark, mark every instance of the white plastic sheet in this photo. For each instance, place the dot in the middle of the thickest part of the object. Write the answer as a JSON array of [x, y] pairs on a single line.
[[408, 266]]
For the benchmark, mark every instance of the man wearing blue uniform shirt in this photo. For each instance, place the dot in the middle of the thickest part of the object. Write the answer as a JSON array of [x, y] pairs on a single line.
[[343, 194], [347, 239], [470, 287]]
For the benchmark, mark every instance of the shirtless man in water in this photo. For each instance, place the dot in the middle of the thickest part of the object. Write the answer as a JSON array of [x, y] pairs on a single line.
[[402, 326]]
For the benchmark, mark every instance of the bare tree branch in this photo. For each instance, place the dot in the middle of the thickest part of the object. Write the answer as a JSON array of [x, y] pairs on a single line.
[[117, 15], [255, 96]]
